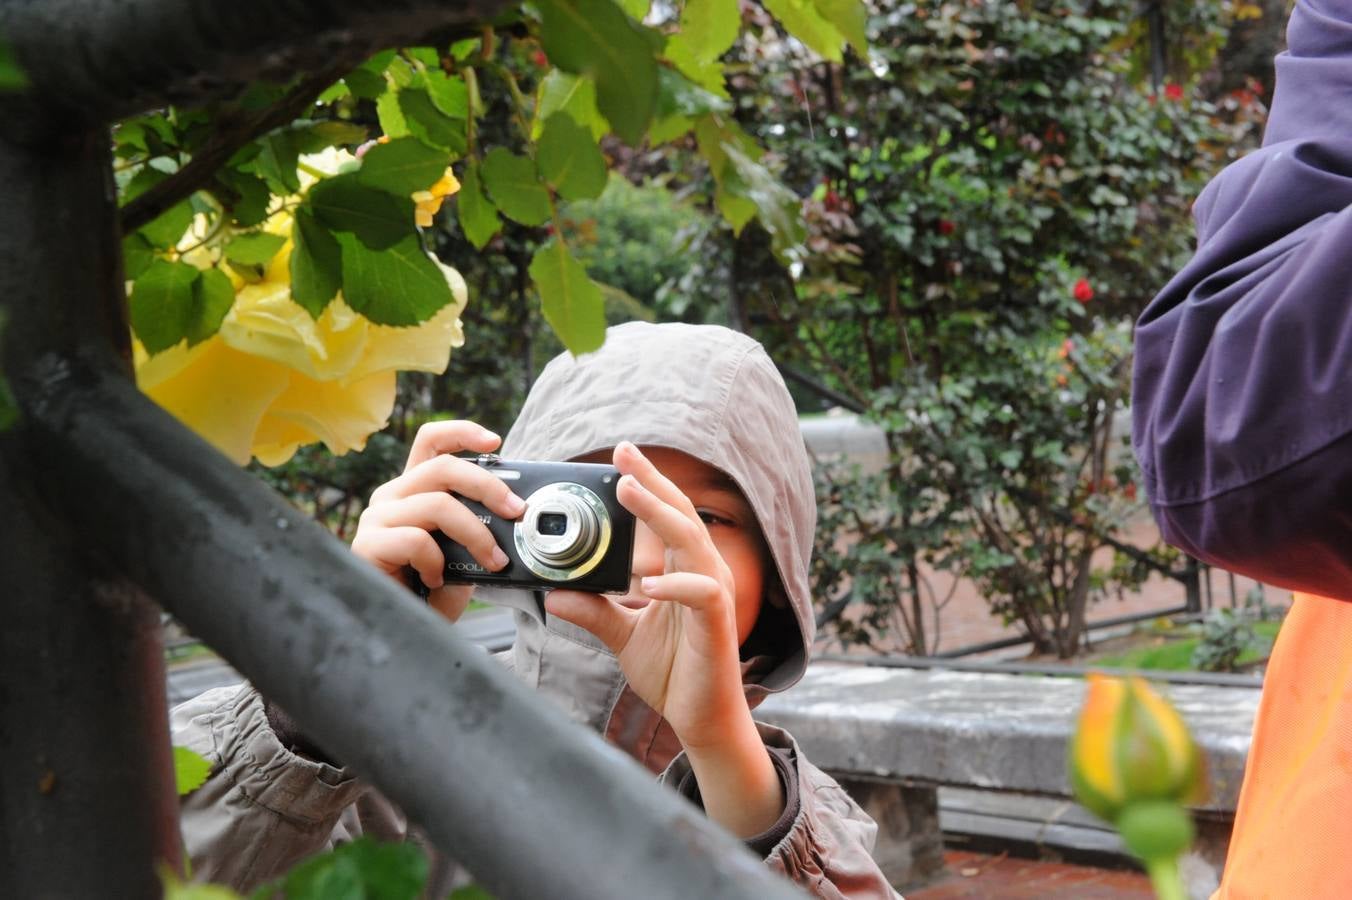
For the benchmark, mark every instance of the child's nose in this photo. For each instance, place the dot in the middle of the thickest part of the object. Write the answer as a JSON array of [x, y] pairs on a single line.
[[650, 554]]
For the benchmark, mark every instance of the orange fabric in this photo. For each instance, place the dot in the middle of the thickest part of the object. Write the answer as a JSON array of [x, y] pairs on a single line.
[[1293, 827]]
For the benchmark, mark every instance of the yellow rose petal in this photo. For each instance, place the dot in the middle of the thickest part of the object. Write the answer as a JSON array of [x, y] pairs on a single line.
[[342, 415], [1096, 737], [215, 390]]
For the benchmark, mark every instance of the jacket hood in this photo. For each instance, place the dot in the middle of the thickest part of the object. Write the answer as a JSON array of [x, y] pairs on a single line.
[[713, 394]]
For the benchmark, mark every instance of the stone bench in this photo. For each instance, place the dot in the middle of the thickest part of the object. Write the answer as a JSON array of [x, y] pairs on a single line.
[[896, 736]]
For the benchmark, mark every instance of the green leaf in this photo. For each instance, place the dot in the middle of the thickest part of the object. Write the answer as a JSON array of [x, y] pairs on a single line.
[[478, 216], [595, 37], [391, 116], [256, 249], [735, 208], [336, 91], [678, 95], [448, 93], [571, 302], [668, 129], [212, 297], [312, 137], [850, 18], [277, 162], [515, 187], [380, 219], [573, 94], [316, 264], [803, 21], [12, 77], [709, 27], [360, 870], [570, 160], [402, 166], [635, 9], [246, 197], [400, 285], [161, 304], [778, 208], [137, 254], [189, 769], [463, 48], [430, 125], [367, 81], [425, 55], [166, 229]]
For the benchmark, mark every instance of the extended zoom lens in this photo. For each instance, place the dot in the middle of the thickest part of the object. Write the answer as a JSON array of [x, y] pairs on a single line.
[[565, 532], [552, 524]]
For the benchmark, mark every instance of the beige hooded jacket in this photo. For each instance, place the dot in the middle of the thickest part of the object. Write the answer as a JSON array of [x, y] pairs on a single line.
[[707, 391]]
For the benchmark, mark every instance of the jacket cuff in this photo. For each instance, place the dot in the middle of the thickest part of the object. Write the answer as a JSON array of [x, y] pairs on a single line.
[[761, 844], [269, 773]]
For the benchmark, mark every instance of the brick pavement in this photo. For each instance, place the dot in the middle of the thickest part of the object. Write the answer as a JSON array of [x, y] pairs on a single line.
[[980, 876]]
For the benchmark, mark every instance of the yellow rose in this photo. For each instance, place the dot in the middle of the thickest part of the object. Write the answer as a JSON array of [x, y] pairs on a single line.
[[273, 378], [1131, 745]]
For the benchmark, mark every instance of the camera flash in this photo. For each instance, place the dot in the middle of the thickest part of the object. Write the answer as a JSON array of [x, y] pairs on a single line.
[[607, 479]]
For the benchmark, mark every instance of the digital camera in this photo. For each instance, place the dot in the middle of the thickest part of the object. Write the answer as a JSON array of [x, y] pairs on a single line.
[[574, 532]]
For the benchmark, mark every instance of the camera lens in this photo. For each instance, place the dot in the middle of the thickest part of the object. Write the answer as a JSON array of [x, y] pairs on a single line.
[[551, 524], [564, 533]]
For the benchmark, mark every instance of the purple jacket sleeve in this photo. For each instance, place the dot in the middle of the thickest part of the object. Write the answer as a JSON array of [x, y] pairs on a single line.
[[1242, 394]]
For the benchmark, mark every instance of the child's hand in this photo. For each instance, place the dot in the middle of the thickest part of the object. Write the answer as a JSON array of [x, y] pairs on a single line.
[[394, 529], [676, 638], [678, 648]]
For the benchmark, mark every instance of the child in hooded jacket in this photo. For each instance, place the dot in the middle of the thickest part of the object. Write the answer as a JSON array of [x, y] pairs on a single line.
[[718, 614]]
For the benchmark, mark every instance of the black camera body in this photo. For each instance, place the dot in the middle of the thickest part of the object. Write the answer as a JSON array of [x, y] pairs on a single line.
[[574, 533]]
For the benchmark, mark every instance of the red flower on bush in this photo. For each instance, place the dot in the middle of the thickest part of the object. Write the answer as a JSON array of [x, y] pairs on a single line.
[[1084, 291], [540, 59], [1173, 91], [945, 226]]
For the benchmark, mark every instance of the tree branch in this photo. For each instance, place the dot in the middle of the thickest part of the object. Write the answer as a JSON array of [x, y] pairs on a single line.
[[234, 133]]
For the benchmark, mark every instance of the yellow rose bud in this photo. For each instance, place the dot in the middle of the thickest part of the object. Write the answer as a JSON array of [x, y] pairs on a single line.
[[1131, 745], [428, 202]]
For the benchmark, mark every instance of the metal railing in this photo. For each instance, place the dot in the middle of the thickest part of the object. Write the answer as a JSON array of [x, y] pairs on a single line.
[[110, 507]]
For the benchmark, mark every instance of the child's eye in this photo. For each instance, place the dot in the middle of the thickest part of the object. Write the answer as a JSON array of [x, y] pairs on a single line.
[[712, 518]]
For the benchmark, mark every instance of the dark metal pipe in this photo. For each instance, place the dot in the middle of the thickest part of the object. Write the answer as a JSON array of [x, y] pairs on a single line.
[[102, 60], [87, 801], [533, 804]]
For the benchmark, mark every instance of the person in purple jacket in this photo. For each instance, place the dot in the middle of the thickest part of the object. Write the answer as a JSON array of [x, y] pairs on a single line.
[[1242, 424]]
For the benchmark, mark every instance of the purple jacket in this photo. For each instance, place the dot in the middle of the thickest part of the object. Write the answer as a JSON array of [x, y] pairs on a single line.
[[1242, 404]]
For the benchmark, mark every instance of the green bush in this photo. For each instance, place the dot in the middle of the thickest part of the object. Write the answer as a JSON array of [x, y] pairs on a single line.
[[991, 199]]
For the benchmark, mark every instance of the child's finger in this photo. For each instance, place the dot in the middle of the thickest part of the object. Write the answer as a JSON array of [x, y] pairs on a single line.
[[685, 535], [608, 621], [437, 438], [451, 600], [631, 461], [439, 511], [450, 473], [689, 589], [393, 548]]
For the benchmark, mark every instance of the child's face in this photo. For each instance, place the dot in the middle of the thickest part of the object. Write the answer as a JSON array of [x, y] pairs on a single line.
[[729, 519]]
